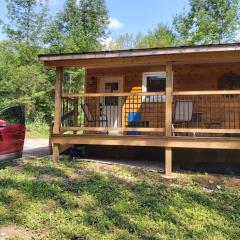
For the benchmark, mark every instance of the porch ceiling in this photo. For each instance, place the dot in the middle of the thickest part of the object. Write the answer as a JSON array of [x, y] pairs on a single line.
[[141, 57]]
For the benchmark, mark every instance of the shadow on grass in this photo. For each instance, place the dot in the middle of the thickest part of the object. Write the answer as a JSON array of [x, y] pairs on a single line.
[[9, 163], [142, 209]]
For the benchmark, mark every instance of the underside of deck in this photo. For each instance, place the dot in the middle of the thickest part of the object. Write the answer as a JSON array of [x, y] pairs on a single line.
[[148, 141]]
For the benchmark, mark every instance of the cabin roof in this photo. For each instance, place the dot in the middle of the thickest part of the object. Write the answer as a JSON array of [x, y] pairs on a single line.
[[171, 52]]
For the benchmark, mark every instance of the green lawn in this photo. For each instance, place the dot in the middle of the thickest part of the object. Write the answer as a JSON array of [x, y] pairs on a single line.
[[84, 200], [37, 130]]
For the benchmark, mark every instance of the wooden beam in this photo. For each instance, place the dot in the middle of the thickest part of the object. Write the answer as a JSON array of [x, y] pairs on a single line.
[[206, 130], [196, 93], [150, 141], [168, 118], [58, 109], [58, 103], [55, 152], [168, 162], [124, 94], [50, 147], [169, 99], [105, 129], [186, 58]]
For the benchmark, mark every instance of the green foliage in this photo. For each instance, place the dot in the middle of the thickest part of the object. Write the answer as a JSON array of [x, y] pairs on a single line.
[[79, 27], [81, 200], [37, 129], [23, 80], [207, 22], [26, 20], [161, 36]]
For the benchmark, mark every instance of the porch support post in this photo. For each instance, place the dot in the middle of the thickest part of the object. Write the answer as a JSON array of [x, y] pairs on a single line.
[[168, 118], [58, 110]]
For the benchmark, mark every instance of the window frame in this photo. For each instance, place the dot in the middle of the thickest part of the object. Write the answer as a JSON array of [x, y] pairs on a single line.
[[144, 86]]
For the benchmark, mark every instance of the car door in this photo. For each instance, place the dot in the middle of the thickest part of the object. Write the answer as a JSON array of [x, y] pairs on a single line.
[[12, 132]]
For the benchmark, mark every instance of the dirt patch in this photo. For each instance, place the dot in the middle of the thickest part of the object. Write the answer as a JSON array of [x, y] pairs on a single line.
[[15, 232]]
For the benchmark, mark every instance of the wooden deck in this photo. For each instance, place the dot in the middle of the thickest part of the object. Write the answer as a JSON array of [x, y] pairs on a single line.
[[148, 141]]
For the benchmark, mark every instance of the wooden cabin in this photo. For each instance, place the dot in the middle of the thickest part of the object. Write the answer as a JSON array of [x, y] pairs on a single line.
[[180, 97]]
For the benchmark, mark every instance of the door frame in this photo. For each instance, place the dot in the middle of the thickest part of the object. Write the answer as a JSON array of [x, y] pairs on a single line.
[[101, 88]]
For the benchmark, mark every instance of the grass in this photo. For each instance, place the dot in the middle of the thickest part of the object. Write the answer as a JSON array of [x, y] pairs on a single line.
[[37, 130], [85, 200]]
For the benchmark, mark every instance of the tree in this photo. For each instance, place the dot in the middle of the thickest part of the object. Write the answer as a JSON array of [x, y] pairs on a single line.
[[24, 83], [125, 41], [161, 36], [26, 20], [208, 21], [79, 27]]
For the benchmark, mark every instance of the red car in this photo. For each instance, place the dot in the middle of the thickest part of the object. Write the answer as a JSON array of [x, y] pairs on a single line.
[[12, 132]]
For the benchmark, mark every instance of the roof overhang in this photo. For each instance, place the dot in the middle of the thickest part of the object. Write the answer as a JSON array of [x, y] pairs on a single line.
[[177, 55]]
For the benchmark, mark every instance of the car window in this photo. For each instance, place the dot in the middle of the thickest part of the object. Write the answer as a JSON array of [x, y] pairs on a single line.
[[12, 115]]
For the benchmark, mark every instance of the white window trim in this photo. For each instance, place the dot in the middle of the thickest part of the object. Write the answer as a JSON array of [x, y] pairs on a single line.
[[144, 86]]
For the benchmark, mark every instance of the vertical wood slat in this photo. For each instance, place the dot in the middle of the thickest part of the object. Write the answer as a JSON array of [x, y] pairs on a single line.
[[75, 113]]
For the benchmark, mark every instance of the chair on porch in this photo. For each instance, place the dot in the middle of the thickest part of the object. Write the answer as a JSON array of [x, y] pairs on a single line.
[[91, 119], [183, 114]]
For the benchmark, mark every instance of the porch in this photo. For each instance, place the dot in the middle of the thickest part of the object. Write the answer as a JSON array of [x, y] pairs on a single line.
[[196, 107], [192, 119]]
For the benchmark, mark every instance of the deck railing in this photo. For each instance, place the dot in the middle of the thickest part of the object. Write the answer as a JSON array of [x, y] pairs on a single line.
[[198, 113], [130, 113], [206, 113]]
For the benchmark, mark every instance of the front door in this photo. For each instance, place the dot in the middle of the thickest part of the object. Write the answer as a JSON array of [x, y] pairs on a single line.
[[12, 132], [111, 106]]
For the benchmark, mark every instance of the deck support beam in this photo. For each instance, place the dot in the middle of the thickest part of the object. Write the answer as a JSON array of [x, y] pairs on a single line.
[[58, 110], [168, 162], [168, 118]]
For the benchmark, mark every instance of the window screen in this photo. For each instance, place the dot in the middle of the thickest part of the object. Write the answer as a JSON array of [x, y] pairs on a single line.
[[156, 84]]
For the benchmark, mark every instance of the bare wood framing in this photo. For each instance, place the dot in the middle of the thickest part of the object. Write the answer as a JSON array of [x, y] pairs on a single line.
[[124, 94], [58, 110], [169, 99], [168, 162], [50, 149], [105, 129], [56, 151], [171, 142], [64, 147], [217, 92], [206, 130], [58, 104]]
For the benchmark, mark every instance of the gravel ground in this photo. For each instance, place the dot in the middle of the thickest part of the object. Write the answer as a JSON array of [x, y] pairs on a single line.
[[35, 148]]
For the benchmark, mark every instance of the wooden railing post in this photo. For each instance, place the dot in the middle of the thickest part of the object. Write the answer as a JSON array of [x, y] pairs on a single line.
[[168, 118], [75, 113], [58, 110]]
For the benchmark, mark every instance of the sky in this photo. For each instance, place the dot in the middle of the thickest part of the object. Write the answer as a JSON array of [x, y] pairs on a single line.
[[128, 16]]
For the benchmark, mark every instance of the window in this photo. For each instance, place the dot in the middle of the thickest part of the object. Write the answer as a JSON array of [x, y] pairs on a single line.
[[12, 115], [111, 87], [154, 82]]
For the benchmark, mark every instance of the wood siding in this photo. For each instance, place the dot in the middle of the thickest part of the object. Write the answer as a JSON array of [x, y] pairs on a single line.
[[198, 77]]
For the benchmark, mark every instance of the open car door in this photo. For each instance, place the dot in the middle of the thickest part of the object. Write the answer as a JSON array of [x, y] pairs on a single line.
[[12, 132]]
